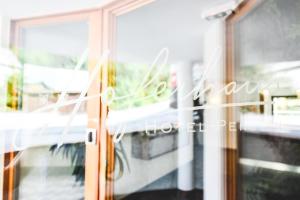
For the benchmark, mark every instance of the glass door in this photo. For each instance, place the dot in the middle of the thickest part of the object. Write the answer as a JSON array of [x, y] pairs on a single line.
[[264, 40], [156, 132], [45, 82]]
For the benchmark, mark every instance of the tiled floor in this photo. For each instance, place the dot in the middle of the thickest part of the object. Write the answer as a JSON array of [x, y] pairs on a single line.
[[53, 188], [165, 187]]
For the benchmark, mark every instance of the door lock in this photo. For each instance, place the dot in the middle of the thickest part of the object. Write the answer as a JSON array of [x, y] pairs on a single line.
[[91, 136]]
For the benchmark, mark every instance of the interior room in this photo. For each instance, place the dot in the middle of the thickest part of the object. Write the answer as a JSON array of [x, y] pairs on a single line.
[[149, 99], [49, 53]]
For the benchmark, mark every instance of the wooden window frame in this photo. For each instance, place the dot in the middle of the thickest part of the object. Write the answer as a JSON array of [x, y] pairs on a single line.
[[93, 17], [110, 14], [102, 30]]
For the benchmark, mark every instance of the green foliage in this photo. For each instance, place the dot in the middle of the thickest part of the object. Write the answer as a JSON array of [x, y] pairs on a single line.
[[132, 88], [44, 58], [76, 154], [13, 90]]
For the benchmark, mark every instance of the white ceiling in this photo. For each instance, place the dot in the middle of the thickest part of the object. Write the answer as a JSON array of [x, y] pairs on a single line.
[[27, 8], [176, 24]]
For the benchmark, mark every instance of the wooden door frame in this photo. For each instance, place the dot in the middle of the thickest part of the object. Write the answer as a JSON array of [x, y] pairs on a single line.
[[231, 142], [109, 17], [102, 31], [93, 17]]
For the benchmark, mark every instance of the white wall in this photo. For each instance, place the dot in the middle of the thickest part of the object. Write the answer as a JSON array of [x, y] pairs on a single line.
[[28, 8], [4, 31], [213, 159]]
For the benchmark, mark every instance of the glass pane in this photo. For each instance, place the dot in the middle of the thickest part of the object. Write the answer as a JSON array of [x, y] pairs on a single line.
[[269, 154], [161, 152], [43, 132]]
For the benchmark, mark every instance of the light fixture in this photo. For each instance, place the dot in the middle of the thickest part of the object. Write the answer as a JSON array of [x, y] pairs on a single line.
[[220, 11]]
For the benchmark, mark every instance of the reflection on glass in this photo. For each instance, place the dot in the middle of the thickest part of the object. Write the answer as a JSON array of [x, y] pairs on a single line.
[[269, 141], [157, 158], [48, 55]]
